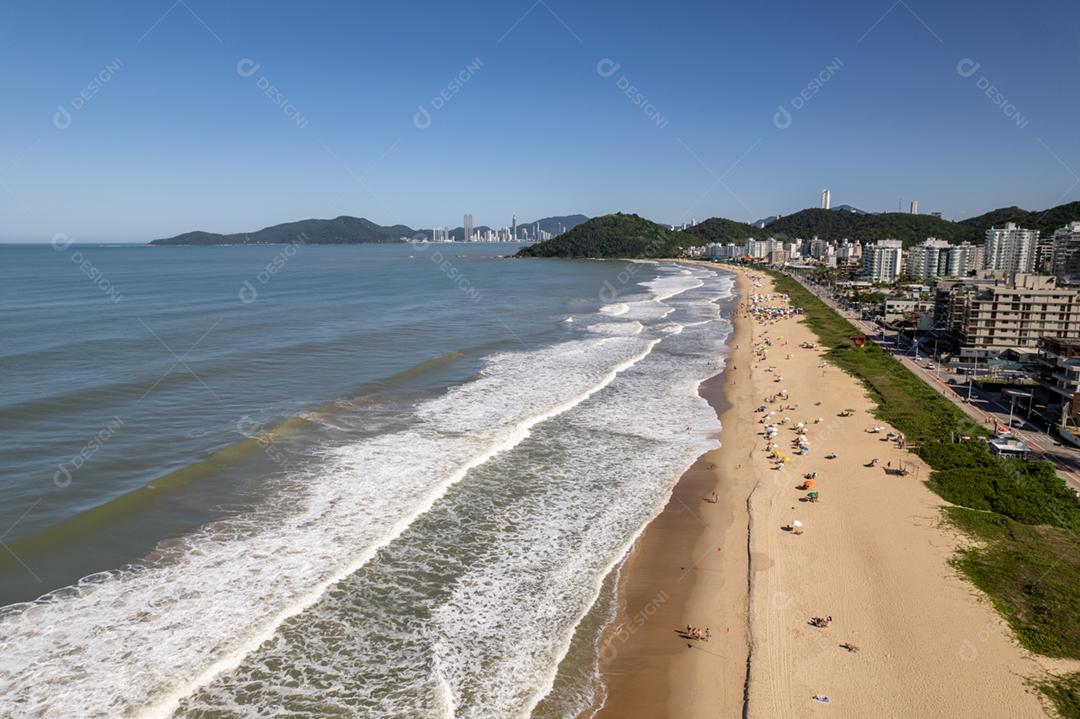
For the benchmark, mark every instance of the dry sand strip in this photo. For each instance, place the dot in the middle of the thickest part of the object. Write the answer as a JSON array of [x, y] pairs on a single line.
[[874, 556]]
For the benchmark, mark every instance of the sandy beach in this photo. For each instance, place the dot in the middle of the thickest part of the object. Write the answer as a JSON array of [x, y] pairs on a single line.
[[871, 554]]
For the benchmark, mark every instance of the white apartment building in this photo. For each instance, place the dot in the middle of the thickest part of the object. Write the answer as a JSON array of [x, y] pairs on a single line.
[[937, 258], [1011, 249], [924, 259], [883, 260]]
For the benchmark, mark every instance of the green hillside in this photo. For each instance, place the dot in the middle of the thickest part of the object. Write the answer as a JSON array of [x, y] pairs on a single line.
[[719, 229], [616, 235], [1046, 221], [839, 225]]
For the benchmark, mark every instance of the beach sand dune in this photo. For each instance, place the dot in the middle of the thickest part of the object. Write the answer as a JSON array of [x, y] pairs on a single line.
[[872, 554]]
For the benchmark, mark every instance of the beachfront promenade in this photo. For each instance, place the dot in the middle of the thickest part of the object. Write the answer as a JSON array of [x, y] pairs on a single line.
[[982, 408]]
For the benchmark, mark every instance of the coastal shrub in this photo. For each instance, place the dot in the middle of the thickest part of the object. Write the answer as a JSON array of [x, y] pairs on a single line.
[[1031, 574], [1028, 492], [1064, 693]]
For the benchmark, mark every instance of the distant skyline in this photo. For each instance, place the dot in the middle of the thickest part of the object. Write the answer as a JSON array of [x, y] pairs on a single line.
[[132, 121]]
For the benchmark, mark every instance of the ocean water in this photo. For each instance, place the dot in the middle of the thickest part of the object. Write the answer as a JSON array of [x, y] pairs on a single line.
[[375, 481]]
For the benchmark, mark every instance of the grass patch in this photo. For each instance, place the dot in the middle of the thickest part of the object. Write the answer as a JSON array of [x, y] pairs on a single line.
[[1031, 574], [1064, 693], [1029, 492]]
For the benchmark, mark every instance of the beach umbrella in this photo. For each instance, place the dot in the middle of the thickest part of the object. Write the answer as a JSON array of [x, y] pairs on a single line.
[[812, 494], [810, 483], [796, 523]]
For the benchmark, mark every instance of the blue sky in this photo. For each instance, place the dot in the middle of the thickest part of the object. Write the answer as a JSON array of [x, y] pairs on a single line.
[[179, 132]]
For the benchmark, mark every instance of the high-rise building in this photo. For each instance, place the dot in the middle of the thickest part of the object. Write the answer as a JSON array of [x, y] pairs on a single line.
[[914, 207], [924, 260], [468, 228], [882, 261], [937, 258], [1011, 249], [1066, 258], [959, 260], [826, 200], [513, 228]]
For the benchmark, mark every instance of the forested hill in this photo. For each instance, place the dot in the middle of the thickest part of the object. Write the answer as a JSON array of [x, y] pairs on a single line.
[[616, 235]]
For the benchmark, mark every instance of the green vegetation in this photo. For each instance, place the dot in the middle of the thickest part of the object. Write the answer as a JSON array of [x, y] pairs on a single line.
[[722, 231], [840, 224], [340, 230], [1028, 492], [621, 235], [1046, 221], [1064, 693], [616, 235], [1026, 521], [1031, 574]]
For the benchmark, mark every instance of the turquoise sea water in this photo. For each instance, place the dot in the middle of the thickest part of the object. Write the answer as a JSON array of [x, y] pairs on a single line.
[[331, 481]]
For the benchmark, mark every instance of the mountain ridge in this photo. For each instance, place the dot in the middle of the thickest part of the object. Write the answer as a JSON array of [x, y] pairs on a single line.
[[341, 230], [641, 238]]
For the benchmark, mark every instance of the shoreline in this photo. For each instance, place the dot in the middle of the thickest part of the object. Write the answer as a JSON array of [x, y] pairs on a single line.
[[873, 553], [673, 573]]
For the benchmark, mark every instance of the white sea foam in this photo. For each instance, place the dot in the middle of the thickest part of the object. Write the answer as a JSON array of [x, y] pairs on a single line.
[[619, 308], [595, 431], [623, 329], [183, 621]]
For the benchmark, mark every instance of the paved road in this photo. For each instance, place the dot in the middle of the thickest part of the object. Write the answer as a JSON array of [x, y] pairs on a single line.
[[983, 409]]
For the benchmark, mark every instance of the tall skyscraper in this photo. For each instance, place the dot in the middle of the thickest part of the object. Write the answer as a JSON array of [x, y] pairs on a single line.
[[513, 228], [914, 207], [826, 200], [468, 228]]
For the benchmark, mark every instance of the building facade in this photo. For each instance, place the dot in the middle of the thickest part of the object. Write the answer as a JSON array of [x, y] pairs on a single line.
[[1059, 377], [925, 259], [1011, 249], [1066, 262], [883, 261], [995, 311]]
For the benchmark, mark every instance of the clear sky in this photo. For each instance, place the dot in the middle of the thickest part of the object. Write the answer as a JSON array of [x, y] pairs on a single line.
[[132, 120]]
